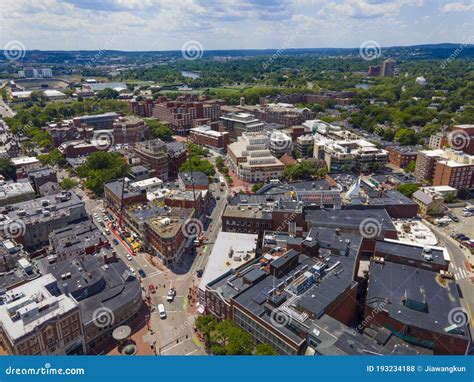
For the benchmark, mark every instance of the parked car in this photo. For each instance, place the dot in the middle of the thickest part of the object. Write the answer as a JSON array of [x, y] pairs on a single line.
[[453, 217], [199, 273], [129, 257], [152, 288], [141, 272], [162, 311], [115, 241]]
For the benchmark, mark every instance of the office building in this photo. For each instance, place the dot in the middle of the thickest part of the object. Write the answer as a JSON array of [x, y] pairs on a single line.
[[251, 159], [238, 123], [401, 156], [31, 222], [37, 319], [214, 140], [154, 155], [416, 305], [388, 68]]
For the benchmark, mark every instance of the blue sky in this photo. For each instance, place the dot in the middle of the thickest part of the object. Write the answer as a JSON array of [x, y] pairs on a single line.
[[232, 24]]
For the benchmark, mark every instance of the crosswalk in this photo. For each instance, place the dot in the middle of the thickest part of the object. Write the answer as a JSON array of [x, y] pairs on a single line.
[[459, 273]]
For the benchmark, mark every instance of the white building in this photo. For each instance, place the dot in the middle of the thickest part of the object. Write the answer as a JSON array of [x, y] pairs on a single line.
[[251, 159], [420, 81], [36, 319], [280, 144]]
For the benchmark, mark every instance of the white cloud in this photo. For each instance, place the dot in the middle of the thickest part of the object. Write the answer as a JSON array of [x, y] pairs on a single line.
[[458, 7], [223, 24]]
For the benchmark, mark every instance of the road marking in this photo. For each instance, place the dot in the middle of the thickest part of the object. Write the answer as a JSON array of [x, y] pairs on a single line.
[[152, 274]]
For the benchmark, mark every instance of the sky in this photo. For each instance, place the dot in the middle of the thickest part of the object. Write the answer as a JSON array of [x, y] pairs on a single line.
[[231, 24]]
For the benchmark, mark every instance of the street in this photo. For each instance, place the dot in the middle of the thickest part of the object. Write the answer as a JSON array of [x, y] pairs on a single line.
[[463, 277], [174, 334]]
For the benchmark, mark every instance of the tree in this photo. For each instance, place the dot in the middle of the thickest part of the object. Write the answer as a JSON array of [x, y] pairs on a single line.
[[7, 169], [194, 163], [257, 187], [229, 339], [197, 150], [410, 167], [205, 325], [107, 93], [220, 163], [53, 158], [408, 189], [100, 167], [159, 130], [68, 183], [406, 137], [302, 170], [264, 349]]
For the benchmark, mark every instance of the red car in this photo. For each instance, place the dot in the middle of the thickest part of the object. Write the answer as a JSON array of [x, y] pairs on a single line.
[[151, 288]]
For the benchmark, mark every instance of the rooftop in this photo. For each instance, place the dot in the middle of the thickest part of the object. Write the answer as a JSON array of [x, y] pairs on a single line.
[[415, 297], [32, 304], [229, 252]]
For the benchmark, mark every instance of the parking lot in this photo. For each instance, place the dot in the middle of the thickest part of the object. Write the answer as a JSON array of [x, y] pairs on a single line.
[[465, 225]]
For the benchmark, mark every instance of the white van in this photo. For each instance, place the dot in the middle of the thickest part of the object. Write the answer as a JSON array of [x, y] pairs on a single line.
[[162, 311]]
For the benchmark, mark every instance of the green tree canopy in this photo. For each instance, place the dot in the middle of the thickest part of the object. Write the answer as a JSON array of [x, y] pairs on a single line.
[[100, 167]]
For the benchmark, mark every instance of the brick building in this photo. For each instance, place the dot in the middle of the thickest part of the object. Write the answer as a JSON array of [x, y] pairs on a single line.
[[204, 136], [181, 113], [36, 319], [154, 155], [401, 156]]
